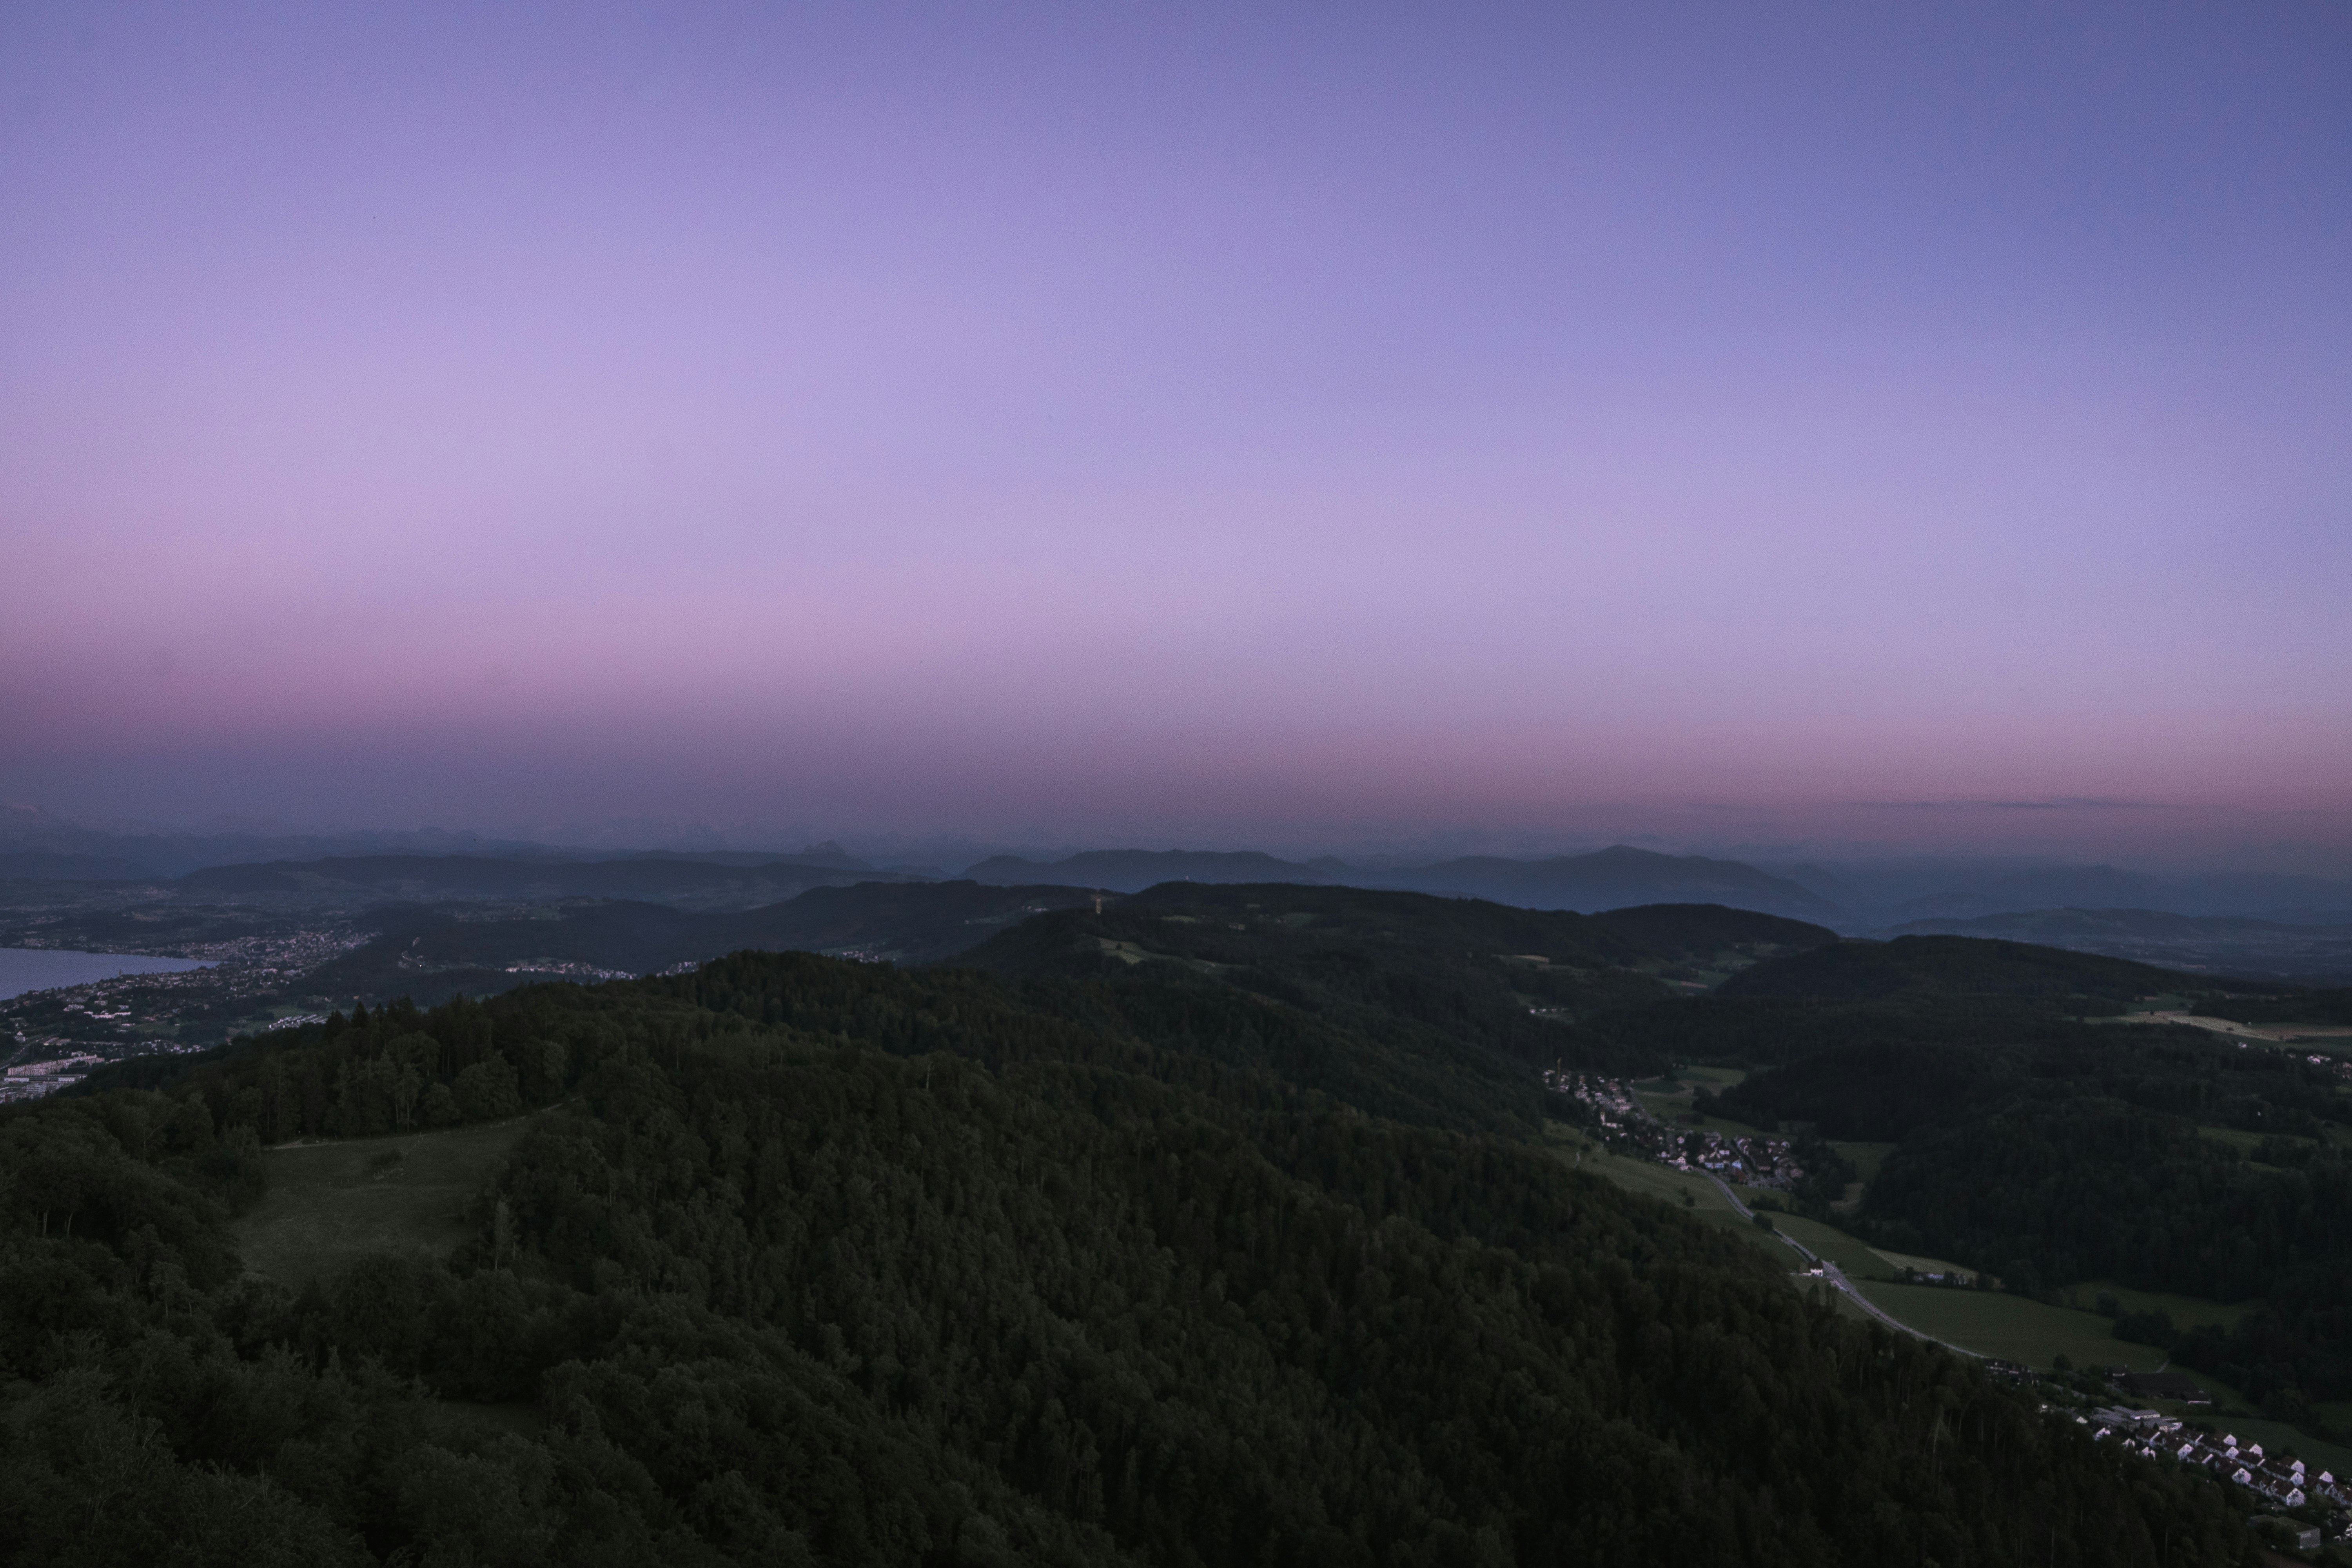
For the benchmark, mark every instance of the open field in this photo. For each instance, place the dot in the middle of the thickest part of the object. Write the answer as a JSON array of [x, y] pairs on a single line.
[[1896, 1262], [1989, 1323], [1675, 1109], [329, 1203], [1709, 1203], [1669, 1099], [1994, 1324], [1858, 1261], [1654, 1180], [2188, 1311]]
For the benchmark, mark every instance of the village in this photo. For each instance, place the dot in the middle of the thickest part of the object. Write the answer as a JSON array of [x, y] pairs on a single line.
[[1627, 1128], [2283, 1483], [1748, 1159]]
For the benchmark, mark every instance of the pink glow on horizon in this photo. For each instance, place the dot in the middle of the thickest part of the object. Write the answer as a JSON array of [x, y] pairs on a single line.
[[1226, 425]]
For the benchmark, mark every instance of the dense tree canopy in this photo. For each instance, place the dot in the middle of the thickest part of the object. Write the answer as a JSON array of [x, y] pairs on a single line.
[[806, 1261]]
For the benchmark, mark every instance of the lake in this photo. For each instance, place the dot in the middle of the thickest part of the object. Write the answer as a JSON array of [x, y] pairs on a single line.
[[24, 969]]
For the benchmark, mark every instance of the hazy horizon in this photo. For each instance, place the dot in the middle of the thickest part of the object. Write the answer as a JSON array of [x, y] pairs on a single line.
[[1229, 426], [950, 851]]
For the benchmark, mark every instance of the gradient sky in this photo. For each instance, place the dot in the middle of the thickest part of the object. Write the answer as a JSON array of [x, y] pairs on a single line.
[[1269, 425]]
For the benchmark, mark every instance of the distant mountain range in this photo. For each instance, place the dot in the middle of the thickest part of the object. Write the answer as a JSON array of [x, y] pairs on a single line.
[[1132, 870], [38, 848], [50, 866], [675, 880], [1611, 878]]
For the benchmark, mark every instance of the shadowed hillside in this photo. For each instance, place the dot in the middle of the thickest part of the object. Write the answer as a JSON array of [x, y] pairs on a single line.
[[805, 1262]]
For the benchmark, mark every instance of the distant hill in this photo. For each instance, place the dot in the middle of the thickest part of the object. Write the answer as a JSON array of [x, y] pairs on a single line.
[[32, 831], [2234, 944], [1895, 895], [1418, 1008], [660, 878], [48, 866], [2079, 887], [1613, 879], [1683, 931], [429, 953], [828, 853], [1950, 965], [1132, 870]]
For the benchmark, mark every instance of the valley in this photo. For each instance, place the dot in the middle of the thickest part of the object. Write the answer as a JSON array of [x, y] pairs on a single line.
[[440, 1128]]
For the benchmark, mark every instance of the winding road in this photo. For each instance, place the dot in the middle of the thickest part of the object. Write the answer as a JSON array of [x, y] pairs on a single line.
[[1830, 1271]]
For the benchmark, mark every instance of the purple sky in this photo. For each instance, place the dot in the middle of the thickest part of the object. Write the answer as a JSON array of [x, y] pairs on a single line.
[[1874, 425]]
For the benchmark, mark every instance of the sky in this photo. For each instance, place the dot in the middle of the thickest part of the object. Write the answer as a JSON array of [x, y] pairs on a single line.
[[1916, 427]]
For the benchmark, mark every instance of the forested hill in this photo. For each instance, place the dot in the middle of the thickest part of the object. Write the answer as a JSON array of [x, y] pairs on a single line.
[[1424, 1008], [1956, 967], [804, 1261], [433, 952], [2052, 1130]]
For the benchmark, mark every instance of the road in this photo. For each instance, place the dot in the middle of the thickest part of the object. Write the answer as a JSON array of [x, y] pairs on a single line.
[[1833, 1275]]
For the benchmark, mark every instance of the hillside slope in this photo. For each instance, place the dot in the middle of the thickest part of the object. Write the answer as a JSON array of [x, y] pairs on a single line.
[[809, 1261]]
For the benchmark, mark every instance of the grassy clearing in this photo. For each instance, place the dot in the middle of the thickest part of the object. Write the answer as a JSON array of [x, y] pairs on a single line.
[[329, 1203], [1858, 1261], [1669, 1098], [1899, 1261], [2188, 1311], [1673, 1107], [1777, 1249], [1707, 1205], [1656, 1180], [2011, 1327], [2238, 1138]]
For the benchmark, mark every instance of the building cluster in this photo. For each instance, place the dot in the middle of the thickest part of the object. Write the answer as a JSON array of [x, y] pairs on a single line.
[[1751, 1161], [30, 1080], [1627, 1128], [568, 969], [2281, 1482]]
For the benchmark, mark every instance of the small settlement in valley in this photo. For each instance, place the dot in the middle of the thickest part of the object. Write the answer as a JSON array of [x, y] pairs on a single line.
[[1626, 1128]]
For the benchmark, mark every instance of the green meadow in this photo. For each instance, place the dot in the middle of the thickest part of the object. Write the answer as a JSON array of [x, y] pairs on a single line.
[[2188, 1311], [1995, 1323], [329, 1203]]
